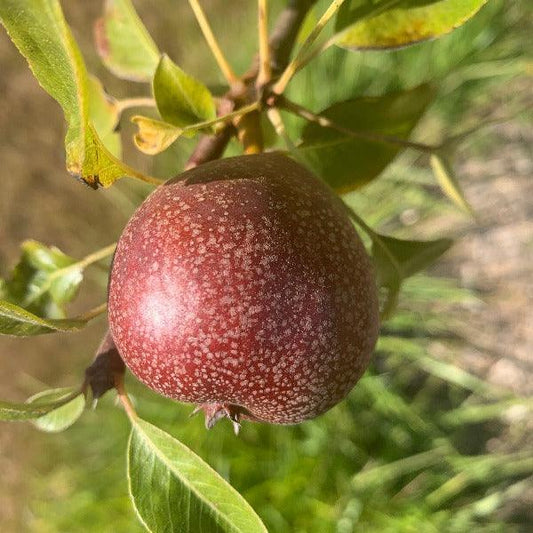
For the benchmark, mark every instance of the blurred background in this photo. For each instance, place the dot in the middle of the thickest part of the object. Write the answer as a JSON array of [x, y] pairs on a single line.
[[438, 434]]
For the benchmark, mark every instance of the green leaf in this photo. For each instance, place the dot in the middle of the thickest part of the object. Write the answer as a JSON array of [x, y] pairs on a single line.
[[181, 99], [43, 281], [448, 182], [173, 490], [105, 114], [398, 259], [386, 24], [39, 405], [15, 320], [347, 162], [68, 409], [39, 30], [124, 44]]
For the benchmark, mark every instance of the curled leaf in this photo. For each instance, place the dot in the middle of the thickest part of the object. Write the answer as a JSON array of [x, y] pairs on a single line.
[[449, 183], [68, 409], [154, 136], [104, 112], [37, 406]]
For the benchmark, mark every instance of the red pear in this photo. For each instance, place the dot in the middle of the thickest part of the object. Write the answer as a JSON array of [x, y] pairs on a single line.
[[243, 287]]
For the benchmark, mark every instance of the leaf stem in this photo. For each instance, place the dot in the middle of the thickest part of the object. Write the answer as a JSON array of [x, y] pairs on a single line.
[[265, 70], [325, 122], [142, 177], [85, 262], [124, 398], [244, 110], [294, 65], [127, 103], [221, 60], [92, 313]]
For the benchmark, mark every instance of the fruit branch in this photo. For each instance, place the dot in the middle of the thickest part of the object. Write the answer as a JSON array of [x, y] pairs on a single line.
[[93, 313], [282, 41], [124, 398], [286, 31]]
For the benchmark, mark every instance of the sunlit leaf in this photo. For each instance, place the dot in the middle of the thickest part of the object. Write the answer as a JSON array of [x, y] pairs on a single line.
[[124, 44], [104, 113], [39, 30], [181, 99], [43, 280], [382, 24], [347, 162], [39, 406], [448, 182], [68, 409], [398, 259], [173, 490], [15, 320]]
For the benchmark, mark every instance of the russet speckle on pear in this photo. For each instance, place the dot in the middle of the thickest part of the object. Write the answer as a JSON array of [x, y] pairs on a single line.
[[243, 287]]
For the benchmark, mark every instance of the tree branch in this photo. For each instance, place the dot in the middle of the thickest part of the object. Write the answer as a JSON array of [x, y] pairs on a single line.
[[285, 32], [282, 42]]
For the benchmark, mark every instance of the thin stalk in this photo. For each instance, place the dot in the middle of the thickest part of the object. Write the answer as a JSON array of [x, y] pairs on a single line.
[[221, 60], [276, 120], [294, 65], [325, 122], [128, 103], [132, 173], [93, 313], [96, 256], [244, 110], [124, 398], [85, 262], [265, 71]]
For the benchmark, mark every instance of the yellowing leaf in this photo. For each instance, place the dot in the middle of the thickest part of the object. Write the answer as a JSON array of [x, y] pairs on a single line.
[[154, 136], [449, 183], [39, 30], [104, 113], [383, 24]]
